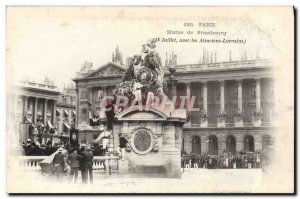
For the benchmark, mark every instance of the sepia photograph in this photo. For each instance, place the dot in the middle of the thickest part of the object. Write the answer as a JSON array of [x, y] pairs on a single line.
[[149, 100]]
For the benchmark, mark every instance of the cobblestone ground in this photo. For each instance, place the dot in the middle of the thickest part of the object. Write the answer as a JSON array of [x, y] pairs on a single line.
[[192, 180]]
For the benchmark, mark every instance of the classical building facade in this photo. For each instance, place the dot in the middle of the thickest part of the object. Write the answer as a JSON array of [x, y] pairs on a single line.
[[235, 101], [31, 105], [65, 113]]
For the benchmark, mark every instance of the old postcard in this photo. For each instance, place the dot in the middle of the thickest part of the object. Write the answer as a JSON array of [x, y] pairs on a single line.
[[150, 99]]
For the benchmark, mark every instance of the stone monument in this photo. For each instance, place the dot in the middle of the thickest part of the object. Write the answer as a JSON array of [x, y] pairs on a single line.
[[153, 130]]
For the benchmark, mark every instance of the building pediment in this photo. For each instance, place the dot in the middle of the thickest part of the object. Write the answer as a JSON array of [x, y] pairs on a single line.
[[107, 70], [141, 115]]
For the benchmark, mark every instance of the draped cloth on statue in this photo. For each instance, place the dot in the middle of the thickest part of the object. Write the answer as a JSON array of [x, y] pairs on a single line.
[[104, 136]]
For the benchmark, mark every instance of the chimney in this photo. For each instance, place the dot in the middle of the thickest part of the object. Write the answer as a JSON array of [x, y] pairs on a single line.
[[230, 59], [245, 55]]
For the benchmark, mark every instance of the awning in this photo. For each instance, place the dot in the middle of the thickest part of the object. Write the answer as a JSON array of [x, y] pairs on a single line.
[[74, 112], [67, 125], [66, 112], [58, 111], [49, 124]]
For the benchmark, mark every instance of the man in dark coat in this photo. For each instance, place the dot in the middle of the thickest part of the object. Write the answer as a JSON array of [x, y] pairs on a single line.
[[87, 165], [59, 164], [74, 162]]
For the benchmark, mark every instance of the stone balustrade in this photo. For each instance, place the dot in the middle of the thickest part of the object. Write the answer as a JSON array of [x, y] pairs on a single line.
[[32, 163]]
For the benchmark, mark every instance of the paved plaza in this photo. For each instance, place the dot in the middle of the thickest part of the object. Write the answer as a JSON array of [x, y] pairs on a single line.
[[192, 180]]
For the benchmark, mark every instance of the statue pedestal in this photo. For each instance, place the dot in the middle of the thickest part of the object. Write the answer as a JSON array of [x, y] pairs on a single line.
[[154, 141], [123, 167]]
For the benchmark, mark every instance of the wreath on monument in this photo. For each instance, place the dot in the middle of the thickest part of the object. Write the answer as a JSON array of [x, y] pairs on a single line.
[[142, 140]]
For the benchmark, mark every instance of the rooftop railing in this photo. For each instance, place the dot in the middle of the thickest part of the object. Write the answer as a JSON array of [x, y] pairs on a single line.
[[222, 65]]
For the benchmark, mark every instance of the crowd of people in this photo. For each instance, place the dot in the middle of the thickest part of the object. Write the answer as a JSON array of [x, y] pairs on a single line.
[[72, 161], [68, 160], [31, 148], [223, 161]]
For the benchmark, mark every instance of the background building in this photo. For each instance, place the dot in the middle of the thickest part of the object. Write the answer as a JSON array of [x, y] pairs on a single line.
[[236, 101], [31, 105], [65, 113]]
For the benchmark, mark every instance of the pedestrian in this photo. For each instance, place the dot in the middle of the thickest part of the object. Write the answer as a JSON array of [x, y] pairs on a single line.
[[87, 166], [258, 160], [59, 164], [123, 143], [74, 162]]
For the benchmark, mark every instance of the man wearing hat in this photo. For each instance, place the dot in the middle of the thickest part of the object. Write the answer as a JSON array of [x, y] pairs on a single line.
[[59, 164], [27, 146], [87, 165]]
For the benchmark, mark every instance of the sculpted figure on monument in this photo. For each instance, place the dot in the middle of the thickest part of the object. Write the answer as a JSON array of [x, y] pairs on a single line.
[[144, 75]]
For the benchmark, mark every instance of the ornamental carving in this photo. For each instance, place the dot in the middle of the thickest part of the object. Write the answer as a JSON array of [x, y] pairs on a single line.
[[142, 140], [108, 71]]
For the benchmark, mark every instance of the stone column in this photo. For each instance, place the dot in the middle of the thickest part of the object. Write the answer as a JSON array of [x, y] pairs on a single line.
[[204, 97], [61, 122], [204, 144], [187, 104], [238, 117], [256, 117], [222, 100], [239, 142], [25, 107], [188, 95], [53, 112], [257, 142], [203, 117], [257, 91], [221, 115], [172, 84], [240, 95], [35, 110], [221, 144], [188, 137], [45, 111], [77, 105]]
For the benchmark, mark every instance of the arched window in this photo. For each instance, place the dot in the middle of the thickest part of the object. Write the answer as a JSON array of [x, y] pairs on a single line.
[[212, 145], [196, 145], [249, 143], [231, 144]]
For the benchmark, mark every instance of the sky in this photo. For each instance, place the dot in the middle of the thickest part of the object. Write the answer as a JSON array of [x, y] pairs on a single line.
[[55, 42]]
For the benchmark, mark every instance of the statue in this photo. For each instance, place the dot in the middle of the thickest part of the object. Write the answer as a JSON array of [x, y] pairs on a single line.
[[144, 75]]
